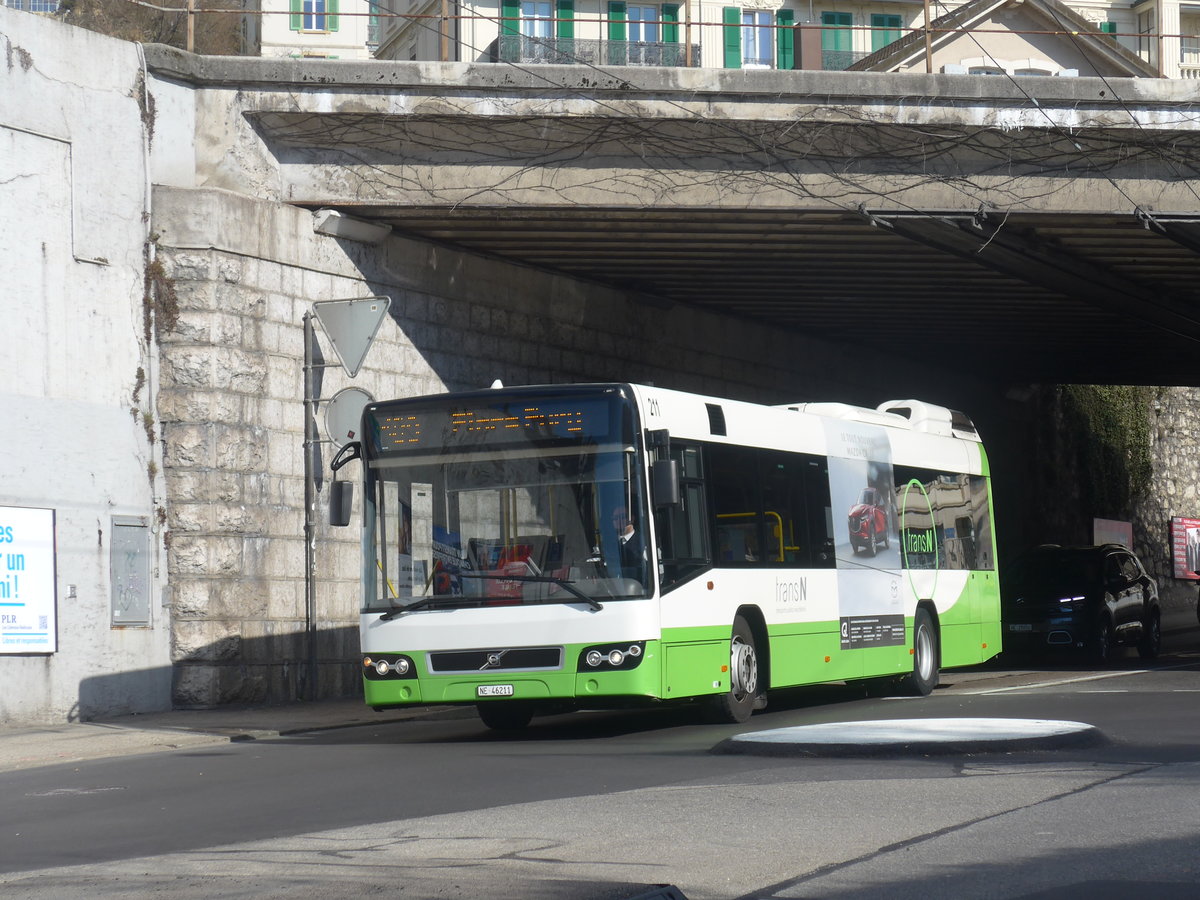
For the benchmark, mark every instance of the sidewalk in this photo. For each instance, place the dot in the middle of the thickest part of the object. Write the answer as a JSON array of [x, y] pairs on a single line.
[[45, 745]]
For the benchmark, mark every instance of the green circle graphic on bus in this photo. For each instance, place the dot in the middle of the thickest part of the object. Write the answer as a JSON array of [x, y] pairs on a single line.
[[918, 533]]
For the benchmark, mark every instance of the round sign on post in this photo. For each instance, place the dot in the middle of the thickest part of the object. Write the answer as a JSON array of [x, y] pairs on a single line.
[[343, 414]]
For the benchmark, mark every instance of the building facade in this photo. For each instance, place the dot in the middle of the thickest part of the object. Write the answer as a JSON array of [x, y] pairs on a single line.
[[785, 34], [319, 29]]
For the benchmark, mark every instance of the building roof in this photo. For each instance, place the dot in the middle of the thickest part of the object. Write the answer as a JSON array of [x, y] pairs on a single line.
[[1102, 49]]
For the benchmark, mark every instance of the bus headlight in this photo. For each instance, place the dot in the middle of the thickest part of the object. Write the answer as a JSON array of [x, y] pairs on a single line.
[[622, 656], [382, 669]]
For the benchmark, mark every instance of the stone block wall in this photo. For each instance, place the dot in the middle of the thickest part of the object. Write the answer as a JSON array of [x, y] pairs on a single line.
[[231, 407], [1174, 490]]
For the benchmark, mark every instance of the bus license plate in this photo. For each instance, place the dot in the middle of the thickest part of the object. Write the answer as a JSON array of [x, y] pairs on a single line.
[[1021, 627], [494, 690]]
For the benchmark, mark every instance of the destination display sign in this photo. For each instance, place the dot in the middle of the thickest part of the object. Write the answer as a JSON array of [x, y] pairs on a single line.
[[399, 428]]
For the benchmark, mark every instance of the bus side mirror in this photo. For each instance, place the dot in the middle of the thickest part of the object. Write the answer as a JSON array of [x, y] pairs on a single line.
[[664, 482], [341, 497]]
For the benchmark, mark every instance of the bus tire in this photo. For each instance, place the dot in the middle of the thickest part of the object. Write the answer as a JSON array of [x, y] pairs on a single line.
[[505, 715], [924, 676], [736, 705]]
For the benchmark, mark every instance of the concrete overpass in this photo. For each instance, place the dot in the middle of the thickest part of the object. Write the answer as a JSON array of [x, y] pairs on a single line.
[[1040, 229]]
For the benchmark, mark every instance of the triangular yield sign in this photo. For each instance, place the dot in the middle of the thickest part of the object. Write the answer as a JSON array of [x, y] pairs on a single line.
[[351, 326]]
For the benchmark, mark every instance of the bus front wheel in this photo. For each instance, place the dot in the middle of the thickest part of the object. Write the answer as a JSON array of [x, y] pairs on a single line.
[[738, 703], [924, 677], [505, 715]]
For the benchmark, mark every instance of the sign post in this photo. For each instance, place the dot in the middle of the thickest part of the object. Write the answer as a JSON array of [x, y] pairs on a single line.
[[351, 326]]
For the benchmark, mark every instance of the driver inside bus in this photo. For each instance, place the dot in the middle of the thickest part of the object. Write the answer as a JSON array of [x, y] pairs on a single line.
[[630, 544]]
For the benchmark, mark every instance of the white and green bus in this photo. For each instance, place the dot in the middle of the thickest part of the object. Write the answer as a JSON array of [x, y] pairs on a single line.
[[535, 549]]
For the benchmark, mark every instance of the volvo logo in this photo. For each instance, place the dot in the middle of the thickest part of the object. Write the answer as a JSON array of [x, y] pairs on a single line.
[[493, 660]]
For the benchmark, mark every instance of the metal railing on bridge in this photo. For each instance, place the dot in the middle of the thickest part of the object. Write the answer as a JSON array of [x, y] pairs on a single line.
[[520, 48]]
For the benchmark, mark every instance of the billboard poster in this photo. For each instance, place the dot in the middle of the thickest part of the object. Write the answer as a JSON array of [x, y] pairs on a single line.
[[862, 494], [28, 622], [1185, 547], [1112, 531]]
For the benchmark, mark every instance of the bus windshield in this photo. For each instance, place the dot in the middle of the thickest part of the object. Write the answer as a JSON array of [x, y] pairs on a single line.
[[520, 502]]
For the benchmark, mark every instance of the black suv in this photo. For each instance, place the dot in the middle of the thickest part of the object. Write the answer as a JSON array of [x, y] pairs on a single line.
[[1087, 598]]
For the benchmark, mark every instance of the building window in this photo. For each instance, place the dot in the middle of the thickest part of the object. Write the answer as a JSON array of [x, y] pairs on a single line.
[[836, 34], [884, 30], [757, 39], [1189, 51], [1146, 34], [985, 70], [644, 24], [37, 6], [314, 15], [535, 18]]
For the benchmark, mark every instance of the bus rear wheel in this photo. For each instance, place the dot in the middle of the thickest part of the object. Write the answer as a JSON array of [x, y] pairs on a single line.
[[505, 715], [737, 704], [924, 677]]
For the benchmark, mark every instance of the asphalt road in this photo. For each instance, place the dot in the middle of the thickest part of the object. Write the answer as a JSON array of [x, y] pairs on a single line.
[[596, 806]]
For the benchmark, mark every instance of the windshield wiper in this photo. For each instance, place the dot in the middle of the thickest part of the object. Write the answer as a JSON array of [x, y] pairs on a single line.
[[416, 604], [568, 586], [426, 602]]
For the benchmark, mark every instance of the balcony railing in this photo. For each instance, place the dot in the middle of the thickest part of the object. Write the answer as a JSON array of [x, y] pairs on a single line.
[[840, 60], [520, 48]]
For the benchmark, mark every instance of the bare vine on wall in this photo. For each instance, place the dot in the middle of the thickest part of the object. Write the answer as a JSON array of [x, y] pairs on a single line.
[[844, 155]]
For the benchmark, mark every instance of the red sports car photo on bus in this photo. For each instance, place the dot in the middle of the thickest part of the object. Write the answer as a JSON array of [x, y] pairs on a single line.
[[868, 522]]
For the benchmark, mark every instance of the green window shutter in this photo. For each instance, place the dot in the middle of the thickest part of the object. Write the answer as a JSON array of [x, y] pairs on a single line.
[[296, 21], [331, 18], [785, 40], [836, 33], [884, 30], [670, 23], [510, 15], [616, 20], [564, 11], [731, 16], [1108, 27]]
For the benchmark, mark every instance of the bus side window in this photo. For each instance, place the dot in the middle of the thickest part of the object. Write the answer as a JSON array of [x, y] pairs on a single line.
[[733, 479], [817, 545], [683, 529]]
